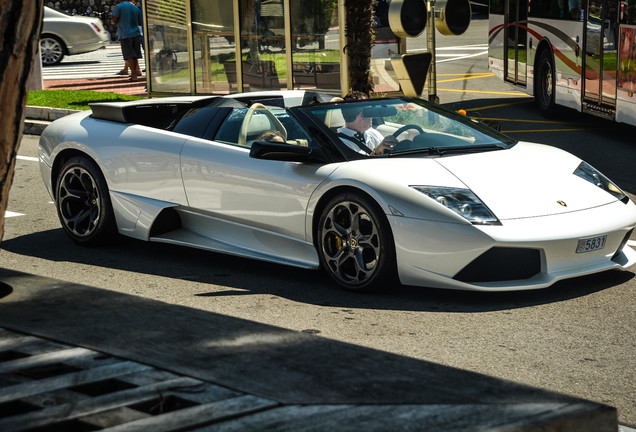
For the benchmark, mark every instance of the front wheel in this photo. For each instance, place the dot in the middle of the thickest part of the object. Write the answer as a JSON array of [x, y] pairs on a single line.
[[545, 83], [83, 204], [355, 243]]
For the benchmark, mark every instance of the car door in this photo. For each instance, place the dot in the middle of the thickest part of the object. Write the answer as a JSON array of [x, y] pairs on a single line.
[[142, 161], [222, 181]]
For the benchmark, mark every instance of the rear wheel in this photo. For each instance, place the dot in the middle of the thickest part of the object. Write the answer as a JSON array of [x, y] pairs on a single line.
[[545, 83], [52, 50], [83, 204], [355, 243]]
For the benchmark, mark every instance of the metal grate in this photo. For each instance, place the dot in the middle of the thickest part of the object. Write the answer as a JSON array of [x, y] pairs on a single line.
[[48, 386]]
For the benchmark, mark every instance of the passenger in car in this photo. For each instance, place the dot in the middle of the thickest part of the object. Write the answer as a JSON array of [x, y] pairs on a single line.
[[271, 136]]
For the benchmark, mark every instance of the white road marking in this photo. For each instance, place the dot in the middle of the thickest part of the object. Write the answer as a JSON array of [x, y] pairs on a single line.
[[463, 47], [460, 52], [460, 57], [10, 214], [97, 64]]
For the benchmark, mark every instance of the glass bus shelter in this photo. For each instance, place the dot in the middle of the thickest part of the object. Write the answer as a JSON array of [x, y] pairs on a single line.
[[229, 46]]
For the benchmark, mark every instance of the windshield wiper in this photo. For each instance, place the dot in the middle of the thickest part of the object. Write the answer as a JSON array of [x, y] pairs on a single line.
[[440, 151], [472, 149], [434, 151]]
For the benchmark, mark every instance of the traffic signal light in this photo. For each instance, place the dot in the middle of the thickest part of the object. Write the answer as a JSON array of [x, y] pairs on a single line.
[[408, 18]]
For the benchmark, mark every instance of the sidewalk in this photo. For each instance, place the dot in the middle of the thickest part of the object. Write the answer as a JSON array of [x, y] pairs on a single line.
[[119, 84]]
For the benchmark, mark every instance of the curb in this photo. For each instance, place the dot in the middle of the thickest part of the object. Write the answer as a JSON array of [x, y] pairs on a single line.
[[34, 127], [46, 113], [38, 118]]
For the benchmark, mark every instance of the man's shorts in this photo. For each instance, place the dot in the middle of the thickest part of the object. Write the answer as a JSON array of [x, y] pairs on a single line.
[[131, 47]]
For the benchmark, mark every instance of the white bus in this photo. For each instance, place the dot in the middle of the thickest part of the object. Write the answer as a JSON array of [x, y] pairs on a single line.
[[574, 53]]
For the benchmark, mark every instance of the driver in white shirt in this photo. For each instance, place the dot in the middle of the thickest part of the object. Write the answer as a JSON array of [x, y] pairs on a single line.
[[358, 134]]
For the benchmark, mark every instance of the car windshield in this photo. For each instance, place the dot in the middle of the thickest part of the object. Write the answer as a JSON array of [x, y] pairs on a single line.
[[417, 126]]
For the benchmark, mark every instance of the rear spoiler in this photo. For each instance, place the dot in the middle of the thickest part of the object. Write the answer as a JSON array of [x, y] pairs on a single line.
[[146, 111]]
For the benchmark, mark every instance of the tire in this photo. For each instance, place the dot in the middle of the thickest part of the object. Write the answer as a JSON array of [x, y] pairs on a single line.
[[355, 243], [52, 50], [545, 83], [83, 204]]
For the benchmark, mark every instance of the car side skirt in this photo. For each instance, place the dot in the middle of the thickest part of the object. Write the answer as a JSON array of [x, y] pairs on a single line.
[[137, 217]]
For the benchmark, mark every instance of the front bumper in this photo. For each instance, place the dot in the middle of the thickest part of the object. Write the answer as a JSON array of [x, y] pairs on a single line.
[[435, 254], [93, 45]]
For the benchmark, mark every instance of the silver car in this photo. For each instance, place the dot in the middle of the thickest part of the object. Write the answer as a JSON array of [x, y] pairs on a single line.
[[63, 34]]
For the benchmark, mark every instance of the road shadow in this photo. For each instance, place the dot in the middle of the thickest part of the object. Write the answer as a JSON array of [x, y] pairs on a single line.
[[283, 365], [5, 290], [241, 276], [65, 63]]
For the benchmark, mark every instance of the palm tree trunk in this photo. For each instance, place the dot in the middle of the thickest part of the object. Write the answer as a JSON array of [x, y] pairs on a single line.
[[20, 23], [359, 34]]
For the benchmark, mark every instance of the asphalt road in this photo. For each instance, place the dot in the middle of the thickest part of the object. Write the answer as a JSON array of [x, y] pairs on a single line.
[[576, 337]]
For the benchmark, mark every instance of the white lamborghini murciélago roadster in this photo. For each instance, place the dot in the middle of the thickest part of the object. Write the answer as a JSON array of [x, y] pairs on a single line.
[[454, 204]]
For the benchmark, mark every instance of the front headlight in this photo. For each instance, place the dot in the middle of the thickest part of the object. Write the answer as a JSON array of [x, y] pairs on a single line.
[[587, 172], [461, 201]]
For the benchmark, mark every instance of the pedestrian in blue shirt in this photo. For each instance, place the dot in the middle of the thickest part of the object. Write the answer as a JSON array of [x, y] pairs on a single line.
[[127, 16], [141, 9]]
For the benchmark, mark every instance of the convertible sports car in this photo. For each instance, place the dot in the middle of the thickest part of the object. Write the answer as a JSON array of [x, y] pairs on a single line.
[[454, 204]]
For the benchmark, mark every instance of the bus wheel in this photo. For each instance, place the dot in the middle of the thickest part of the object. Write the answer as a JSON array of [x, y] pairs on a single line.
[[545, 83]]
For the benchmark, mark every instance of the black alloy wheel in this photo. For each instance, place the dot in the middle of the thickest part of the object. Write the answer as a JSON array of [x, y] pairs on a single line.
[[355, 243], [83, 204]]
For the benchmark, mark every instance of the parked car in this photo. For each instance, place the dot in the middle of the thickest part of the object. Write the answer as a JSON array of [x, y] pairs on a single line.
[[64, 34], [455, 204]]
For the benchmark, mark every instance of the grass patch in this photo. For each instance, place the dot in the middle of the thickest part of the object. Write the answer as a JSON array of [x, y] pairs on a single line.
[[74, 99]]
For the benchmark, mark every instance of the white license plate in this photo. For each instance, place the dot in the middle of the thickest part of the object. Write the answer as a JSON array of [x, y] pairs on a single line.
[[591, 244]]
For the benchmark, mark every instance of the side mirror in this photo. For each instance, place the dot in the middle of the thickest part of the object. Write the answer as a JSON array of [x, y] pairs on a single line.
[[286, 153], [492, 124]]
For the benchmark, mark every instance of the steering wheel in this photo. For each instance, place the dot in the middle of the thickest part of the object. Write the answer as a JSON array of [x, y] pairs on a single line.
[[242, 138], [407, 127]]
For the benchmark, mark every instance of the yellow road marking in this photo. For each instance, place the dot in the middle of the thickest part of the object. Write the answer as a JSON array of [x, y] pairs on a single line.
[[528, 121], [461, 79], [497, 106], [549, 130], [486, 74], [485, 92], [467, 76]]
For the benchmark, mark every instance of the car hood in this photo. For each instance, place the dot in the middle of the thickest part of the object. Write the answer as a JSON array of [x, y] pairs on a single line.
[[528, 180]]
